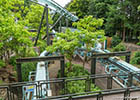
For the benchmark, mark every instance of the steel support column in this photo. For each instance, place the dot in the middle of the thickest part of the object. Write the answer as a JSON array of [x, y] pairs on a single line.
[[47, 25], [41, 22]]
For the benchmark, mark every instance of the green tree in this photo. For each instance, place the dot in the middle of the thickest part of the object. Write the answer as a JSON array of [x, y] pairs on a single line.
[[65, 43], [90, 32], [14, 37], [80, 7]]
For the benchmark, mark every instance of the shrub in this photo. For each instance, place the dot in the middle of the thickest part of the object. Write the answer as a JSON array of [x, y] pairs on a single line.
[[2, 63], [115, 41], [136, 58], [26, 68], [119, 47], [77, 86], [12, 60], [138, 43]]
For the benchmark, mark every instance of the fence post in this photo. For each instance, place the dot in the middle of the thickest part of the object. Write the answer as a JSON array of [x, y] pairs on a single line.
[[19, 72], [109, 82], [130, 79], [88, 84], [62, 65], [127, 58], [100, 96], [93, 68], [126, 94]]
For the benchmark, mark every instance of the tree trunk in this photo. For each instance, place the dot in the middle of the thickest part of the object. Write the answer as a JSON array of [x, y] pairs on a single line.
[[123, 34]]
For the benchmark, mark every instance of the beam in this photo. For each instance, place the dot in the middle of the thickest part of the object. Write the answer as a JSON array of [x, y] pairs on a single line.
[[36, 59], [107, 55], [41, 22]]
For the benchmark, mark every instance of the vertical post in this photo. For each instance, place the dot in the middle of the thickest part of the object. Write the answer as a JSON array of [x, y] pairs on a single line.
[[126, 94], [127, 59], [47, 26], [105, 44], [87, 84], [67, 23], [19, 72], [100, 96], [93, 68], [130, 79], [60, 26], [62, 64], [41, 22], [109, 82]]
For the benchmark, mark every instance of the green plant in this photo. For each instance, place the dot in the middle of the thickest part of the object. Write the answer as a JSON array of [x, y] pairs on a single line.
[[26, 68], [139, 41], [2, 63], [119, 47], [136, 58], [115, 41], [77, 86]]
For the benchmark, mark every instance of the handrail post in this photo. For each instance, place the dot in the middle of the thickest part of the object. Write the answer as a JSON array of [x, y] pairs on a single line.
[[19, 72], [109, 82], [126, 94], [100, 96], [127, 58], [88, 84], [93, 68], [130, 79]]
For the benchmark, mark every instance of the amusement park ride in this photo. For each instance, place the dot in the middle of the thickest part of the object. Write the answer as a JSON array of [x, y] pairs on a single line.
[[111, 63]]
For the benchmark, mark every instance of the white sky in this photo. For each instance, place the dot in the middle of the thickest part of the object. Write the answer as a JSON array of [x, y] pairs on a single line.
[[62, 2]]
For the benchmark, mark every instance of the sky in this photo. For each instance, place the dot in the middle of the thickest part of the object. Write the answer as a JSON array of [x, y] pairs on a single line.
[[62, 2]]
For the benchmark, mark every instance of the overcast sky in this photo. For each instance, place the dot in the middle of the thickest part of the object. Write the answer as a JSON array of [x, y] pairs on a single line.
[[62, 2]]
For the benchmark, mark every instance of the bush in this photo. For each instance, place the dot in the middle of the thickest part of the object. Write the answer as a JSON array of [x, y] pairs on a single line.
[[12, 60], [2, 63], [115, 41], [77, 86], [26, 68], [119, 47], [138, 43], [136, 58]]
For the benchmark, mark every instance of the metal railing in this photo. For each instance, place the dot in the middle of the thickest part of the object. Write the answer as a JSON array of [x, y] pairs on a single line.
[[14, 91]]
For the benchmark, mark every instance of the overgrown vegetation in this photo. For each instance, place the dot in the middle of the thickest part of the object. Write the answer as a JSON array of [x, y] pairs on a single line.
[[119, 47], [77, 86], [121, 17], [115, 41], [89, 31], [26, 68], [136, 58]]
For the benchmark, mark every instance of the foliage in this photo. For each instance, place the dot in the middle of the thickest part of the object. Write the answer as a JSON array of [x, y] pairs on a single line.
[[65, 43], [119, 47], [26, 68], [2, 63], [115, 41], [89, 32], [77, 86], [77, 7], [16, 18], [136, 58], [14, 36], [139, 41], [120, 16]]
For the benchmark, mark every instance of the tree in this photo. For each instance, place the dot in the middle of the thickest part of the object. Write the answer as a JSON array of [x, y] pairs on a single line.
[[90, 32], [14, 37], [65, 44], [80, 7]]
